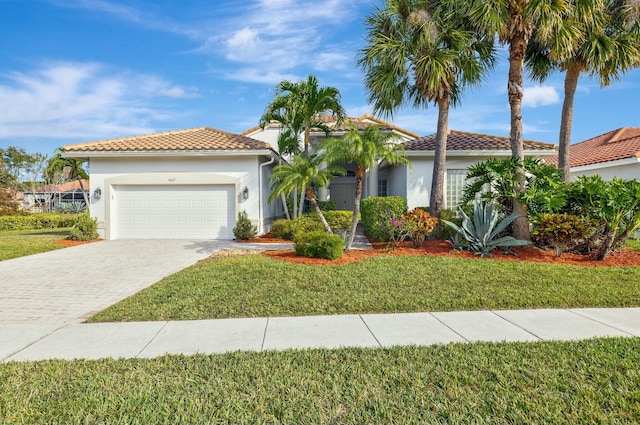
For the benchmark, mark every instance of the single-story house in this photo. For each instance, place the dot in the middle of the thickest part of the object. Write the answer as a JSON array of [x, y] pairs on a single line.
[[52, 196], [613, 154], [184, 184], [191, 184]]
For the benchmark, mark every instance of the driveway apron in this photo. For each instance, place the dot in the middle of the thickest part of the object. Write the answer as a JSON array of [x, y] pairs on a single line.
[[71, 284]]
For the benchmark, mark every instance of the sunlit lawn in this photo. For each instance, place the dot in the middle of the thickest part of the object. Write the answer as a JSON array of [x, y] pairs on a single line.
[[18, 243]]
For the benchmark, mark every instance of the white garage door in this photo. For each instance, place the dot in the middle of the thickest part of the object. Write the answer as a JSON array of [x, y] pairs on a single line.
[[174, 212]]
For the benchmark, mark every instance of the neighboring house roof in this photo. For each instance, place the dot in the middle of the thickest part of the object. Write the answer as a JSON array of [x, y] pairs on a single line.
[[361, 123], [64, 187], [622, 143], [193, 139], [463, 141]]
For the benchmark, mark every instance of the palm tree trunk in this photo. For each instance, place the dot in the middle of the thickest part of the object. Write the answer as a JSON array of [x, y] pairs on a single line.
[[360, 173], [439, 161], [295, 203], [312, 199], [84, 194], [570, 84], [284, 206], [517, 49]]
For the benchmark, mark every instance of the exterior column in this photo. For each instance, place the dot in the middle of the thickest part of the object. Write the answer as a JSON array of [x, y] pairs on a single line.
[[323, 192], [372, 180]]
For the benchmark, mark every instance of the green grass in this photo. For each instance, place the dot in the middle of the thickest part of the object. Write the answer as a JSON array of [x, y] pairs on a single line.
[[633, 244], [593, 381], [18, 243], [258, 286]]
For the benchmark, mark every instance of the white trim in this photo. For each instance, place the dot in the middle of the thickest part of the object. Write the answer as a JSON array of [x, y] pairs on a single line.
[[136, 154], [482, 152], [599, 165]]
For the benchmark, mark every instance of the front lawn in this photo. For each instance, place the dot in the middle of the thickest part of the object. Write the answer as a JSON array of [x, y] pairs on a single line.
[[18, 243], [259, 286], [593, 381]]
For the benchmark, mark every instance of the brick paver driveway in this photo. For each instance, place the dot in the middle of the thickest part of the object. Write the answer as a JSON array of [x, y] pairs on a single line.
[[69, 285]]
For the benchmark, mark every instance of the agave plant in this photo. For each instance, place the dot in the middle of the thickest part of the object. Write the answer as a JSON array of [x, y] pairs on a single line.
[[73, 207], [480, 235]]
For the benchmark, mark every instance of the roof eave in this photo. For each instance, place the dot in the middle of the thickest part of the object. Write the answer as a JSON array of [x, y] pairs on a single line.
[[606, 164], [485, 152], [207, 152]]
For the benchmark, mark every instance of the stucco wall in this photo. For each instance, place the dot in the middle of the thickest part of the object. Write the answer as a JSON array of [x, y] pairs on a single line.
[[609, 170], [242, 171]]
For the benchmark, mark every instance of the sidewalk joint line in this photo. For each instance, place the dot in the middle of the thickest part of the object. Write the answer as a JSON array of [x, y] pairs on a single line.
[[448, 327], [264, 335], [152, 339], [516, 325], [602, 323], [370, 331], [34, 342]]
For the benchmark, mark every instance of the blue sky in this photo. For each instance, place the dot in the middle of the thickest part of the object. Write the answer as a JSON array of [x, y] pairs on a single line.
[[82, 70]]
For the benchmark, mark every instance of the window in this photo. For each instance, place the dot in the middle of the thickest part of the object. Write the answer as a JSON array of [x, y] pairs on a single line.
[[456, 180], [382, 187]]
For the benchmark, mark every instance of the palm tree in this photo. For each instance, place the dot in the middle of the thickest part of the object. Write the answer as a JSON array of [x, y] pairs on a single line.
[[297, 107], [302, 174], [419, 52], [365, 148], [597, 37], [514, 22]]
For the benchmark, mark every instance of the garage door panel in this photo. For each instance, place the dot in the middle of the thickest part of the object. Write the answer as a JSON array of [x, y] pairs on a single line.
[[174, 212]]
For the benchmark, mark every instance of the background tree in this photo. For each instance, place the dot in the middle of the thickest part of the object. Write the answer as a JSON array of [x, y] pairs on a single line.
[[514, 22], [70, 169], [303, 174], [365, 148], [597, 37], [421, 52]]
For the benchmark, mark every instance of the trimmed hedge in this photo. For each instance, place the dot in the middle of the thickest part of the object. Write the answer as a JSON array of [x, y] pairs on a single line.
[[319, 244], [37, 221], [377, 212], [339, 221]]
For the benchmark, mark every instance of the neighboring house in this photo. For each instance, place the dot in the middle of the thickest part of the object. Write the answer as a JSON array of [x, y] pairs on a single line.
[[463, 150], [184, 184], [52, 196], [613, 154], [343, 188]]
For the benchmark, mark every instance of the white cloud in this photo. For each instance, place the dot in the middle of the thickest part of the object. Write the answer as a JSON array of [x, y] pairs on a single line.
[[81, 100], [540, 96]]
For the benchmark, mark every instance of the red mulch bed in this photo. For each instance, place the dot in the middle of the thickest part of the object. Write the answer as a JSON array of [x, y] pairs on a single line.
[[443, 249], [70, 242]]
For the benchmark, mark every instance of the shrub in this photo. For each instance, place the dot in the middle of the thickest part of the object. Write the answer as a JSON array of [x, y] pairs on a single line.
[[244, 229], [319, 244], [377, 212], [37, 221], [85, 228], [283, 229], [339, 221], [327, 205], [481, 233], [563, 232], [442, 231], [415, 225]]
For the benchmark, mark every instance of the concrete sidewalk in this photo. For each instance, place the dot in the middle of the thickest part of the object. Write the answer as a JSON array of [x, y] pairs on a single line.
[[20, 342]]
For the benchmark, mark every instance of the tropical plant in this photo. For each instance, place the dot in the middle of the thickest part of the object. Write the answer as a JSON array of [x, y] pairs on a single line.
[[71, 207], [243, 229], [85, 228], [414, 225], [365, 148], [419, 52], [483, 234], [615, 204], [68, 169], [302, 174], [514, 21], [562, 232], [597, 37]]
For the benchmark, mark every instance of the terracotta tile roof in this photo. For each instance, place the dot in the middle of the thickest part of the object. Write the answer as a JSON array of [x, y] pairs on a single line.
[[361, 122], [460, 140], [64, 187], [201, 138], [618, 144]]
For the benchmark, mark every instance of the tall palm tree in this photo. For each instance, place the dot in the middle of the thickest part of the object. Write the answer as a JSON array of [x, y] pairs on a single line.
[[365, 148], [597, 37], [297, 106], [514, 22], [421, 52], [302, 174]]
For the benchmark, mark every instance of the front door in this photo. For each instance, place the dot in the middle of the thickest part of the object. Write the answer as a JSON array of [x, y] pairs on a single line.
[[343, 194]]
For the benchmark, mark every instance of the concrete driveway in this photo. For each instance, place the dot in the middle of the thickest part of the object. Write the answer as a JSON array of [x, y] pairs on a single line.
[[69, 285]]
